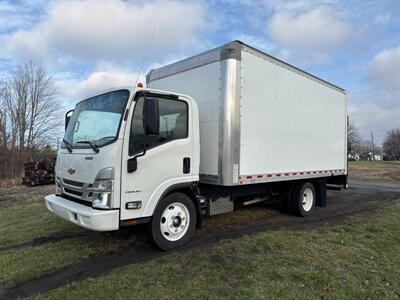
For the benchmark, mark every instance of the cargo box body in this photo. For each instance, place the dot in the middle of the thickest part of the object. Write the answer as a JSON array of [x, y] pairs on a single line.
[[261, 119]]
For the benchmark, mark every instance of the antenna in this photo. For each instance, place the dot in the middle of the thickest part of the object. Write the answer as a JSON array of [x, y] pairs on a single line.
[[145, 55]]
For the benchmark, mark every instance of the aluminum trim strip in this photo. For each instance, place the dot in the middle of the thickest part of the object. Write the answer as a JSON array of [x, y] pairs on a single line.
[[229, 122], [271, 177]]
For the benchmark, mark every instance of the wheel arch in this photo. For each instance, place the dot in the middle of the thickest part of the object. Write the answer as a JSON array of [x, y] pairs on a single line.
[[185, 188]]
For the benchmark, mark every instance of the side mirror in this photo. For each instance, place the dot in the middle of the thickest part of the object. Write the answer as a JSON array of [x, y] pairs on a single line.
[[67, 118], [151, 123], [132, 164], [152, 117]]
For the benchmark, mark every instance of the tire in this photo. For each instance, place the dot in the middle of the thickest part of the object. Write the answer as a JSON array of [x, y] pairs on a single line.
[[173, 222], [303, 199]]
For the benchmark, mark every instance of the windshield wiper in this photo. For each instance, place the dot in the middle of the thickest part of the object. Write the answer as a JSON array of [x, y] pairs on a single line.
[[93, 145], [68, 145]]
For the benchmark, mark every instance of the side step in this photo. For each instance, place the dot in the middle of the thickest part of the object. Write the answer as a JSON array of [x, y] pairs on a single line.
[[219, 206]]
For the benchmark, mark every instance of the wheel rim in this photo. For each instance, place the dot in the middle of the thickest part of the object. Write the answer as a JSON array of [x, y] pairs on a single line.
[[308, 199], [174, 221]]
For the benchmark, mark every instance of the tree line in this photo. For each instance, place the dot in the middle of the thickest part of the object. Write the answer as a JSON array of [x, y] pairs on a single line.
[[363, 148], [29, 117]]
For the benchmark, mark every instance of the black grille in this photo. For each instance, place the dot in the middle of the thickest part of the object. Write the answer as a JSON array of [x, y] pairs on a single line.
[[74, 183], [73, 192]]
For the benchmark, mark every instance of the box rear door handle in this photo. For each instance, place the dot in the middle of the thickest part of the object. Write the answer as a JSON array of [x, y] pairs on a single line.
[[186, 165]]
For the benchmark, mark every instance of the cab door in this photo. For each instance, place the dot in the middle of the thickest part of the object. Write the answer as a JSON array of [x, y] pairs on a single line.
[[162, 159]]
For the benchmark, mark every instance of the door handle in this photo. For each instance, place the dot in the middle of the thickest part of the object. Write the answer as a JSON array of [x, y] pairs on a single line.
[[186, 165]]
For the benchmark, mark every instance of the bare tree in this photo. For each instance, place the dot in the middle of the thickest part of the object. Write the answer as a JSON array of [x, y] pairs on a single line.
[[353, 137], [30, 113], [391, 145], [3, 119]]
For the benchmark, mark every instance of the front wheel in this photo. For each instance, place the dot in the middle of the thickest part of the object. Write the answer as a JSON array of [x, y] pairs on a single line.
[[173, 222]]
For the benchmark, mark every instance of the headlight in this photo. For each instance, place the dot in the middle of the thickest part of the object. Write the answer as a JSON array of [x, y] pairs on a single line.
[[103, 187], [58, 186], [102, 193], [102, 200]]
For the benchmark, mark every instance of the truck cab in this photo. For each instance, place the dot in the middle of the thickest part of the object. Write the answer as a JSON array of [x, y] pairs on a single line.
[[123, 151]]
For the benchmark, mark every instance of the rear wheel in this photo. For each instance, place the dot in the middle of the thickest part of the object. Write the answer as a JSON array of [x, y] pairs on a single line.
[[174, 222], [303, 199]]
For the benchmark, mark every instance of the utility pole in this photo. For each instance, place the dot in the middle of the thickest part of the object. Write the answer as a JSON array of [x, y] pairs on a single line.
[[373, 148]]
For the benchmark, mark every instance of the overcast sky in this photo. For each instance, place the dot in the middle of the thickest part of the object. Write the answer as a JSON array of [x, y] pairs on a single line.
[[89, 46]]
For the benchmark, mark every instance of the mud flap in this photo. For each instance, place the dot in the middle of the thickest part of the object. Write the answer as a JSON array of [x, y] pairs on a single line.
[[320, 190]]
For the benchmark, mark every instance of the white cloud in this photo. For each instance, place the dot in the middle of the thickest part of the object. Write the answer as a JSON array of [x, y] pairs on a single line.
[[30, 45], [371, 116], [110, 30], [384, 70], [262, 44], [255, 41], [314, 35], [74, 90], [19, 14], [377, 107], [293, 6]]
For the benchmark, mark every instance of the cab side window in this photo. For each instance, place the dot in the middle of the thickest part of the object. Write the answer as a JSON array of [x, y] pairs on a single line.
[[173, 116]]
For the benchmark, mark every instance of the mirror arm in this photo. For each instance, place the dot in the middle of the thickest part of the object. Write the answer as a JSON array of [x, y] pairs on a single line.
[[134, 159], [67, 118]]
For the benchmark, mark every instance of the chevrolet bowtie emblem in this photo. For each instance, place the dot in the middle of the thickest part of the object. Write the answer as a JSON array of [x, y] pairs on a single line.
[[71, 171]]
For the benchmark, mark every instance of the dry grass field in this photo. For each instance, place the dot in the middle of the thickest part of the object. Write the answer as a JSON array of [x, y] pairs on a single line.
[[379, 171]]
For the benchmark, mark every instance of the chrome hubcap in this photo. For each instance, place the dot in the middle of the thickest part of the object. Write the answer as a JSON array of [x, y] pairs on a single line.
[[174, 221]]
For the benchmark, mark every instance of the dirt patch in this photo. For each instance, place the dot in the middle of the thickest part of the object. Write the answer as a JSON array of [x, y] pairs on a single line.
[[360, 198], [25, 193], [45, 240], [7, 182]]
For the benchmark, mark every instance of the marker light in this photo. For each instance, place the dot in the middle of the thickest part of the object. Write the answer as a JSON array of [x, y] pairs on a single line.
[[140, 85]]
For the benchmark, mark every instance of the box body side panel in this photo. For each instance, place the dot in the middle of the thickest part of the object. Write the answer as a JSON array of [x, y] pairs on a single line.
[[203, 84], [288, 123]]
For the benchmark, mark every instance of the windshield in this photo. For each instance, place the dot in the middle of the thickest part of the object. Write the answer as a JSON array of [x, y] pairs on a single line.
[[96, 120]]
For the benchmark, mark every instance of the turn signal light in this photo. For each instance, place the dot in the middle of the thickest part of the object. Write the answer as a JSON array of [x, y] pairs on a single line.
[[134, 205]]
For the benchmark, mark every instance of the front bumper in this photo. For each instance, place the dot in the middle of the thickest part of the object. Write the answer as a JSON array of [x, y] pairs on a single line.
[[87, 217]]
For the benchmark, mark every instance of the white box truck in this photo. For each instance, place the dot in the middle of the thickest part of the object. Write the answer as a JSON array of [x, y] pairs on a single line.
[[206, 134]]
